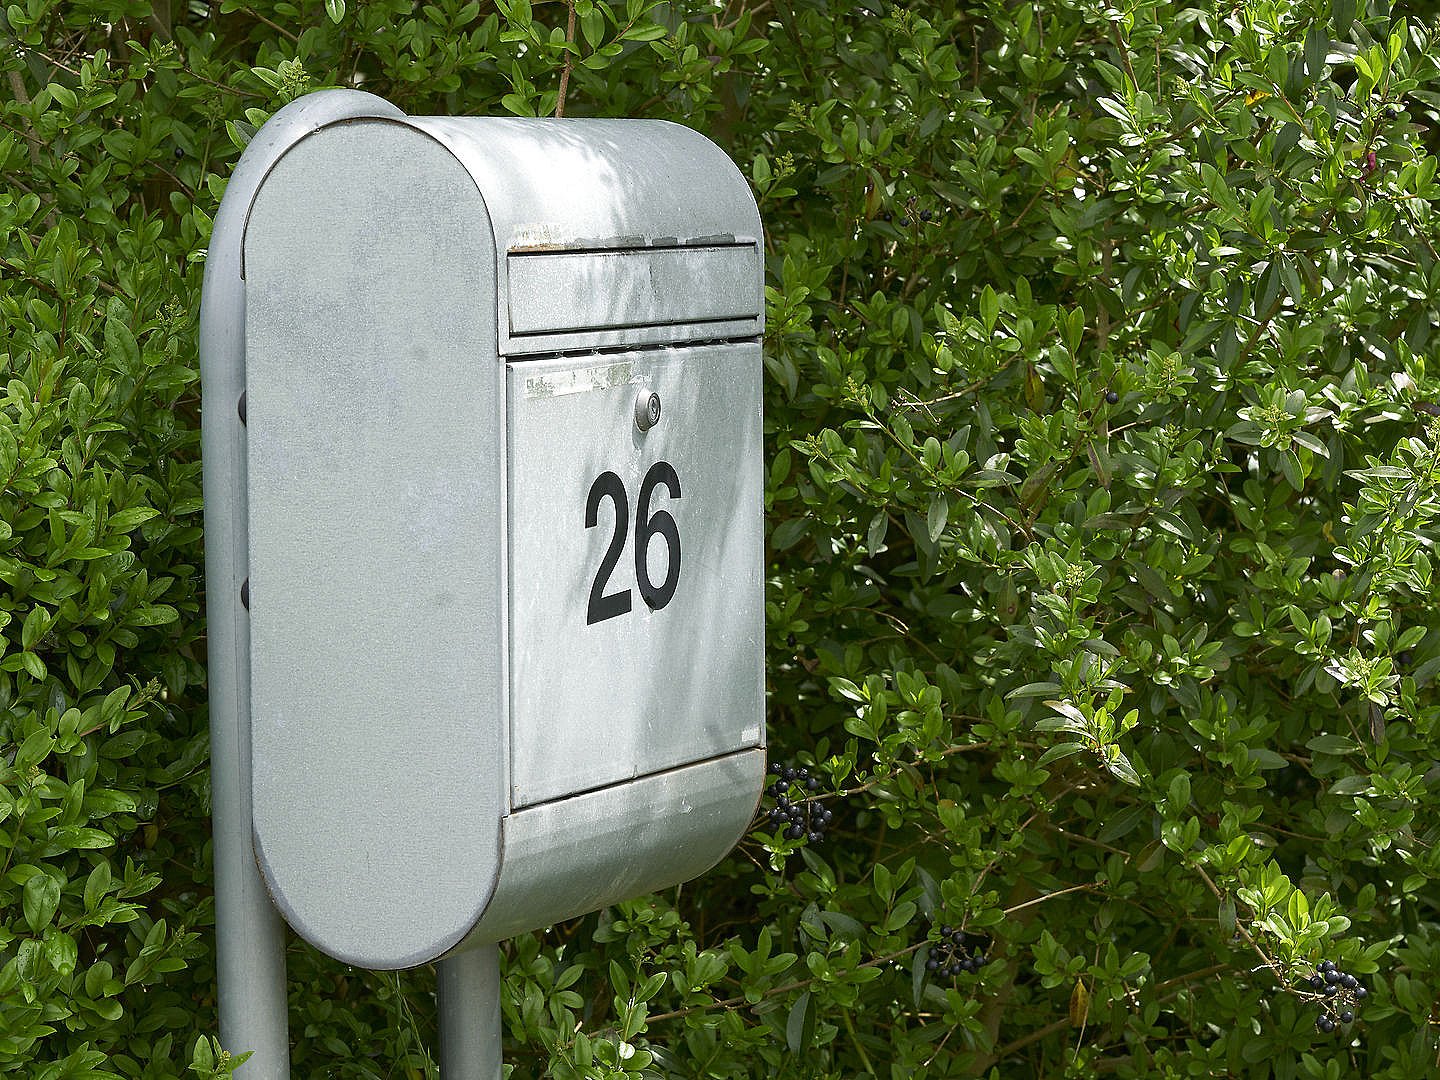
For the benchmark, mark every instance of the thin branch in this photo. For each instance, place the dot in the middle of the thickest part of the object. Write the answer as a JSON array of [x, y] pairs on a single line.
[[273, 26], [17, 88], [569, 59]]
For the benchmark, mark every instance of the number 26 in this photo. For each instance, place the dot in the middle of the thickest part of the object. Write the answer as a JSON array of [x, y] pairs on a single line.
[[604, 606]]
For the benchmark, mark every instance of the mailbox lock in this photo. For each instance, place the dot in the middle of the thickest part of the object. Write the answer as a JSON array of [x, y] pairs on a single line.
[[647, 409]]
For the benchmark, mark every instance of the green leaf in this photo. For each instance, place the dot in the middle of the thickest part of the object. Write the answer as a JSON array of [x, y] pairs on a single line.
[[1060, 750], [63, 95], [83, 839], [1267, 759], [800, 1025], [1122, 768], [120, 342], [97, 885], [35, 749], [989, 308], [937, 515], [517, 104], [646, 32], [61, 951], [151, 615], [1332, 744], [40, 898], [335, 9]]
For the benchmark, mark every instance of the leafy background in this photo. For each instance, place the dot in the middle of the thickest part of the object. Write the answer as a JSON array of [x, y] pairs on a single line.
[[1104, 475]]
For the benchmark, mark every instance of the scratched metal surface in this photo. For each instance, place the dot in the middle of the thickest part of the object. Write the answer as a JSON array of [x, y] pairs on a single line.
[[642, 289], [650, 689], [594, 184], [250, 938], [573, 856], [376, 528]]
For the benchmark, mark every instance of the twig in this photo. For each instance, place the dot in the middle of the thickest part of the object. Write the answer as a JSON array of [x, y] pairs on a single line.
[[17, 87], [273, 26], [1088, 885], [569, 59]]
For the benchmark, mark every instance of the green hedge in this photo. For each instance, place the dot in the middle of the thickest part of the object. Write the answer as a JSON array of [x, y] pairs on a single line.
[[1104, 484]]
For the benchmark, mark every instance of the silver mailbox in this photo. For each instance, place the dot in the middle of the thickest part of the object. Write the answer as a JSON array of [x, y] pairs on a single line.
[[494, 497]]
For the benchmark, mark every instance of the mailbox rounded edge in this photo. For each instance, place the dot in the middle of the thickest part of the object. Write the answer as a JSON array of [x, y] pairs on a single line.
[[375, 432]]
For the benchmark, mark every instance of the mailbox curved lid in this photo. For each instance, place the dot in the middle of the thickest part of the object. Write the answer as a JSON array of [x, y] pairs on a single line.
[[594, 184], [611, 233]]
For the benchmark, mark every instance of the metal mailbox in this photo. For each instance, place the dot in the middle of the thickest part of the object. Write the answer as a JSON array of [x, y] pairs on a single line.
[[490, 495]]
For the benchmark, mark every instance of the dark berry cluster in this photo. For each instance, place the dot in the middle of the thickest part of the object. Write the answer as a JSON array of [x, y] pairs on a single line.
[[1339, 991], [956, 952], [911, 215], [797, 813]]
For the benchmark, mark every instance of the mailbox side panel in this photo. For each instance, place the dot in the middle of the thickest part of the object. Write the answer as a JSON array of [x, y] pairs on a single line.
[[376, 531]]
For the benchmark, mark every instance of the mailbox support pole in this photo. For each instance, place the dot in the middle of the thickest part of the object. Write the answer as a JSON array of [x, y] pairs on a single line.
[[469, 991], [250, 936]]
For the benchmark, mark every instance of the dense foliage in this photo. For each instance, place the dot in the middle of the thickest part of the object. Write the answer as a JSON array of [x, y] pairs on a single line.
[[1104, 482]]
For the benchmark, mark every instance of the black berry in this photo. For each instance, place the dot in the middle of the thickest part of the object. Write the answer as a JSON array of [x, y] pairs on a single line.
[[925, 215], [1316, 982], [904, 222], [1112, 397], [1361, 993], [1346, 1016], [1350, 982], [1331, 990], [796, 814], [1325, 967], [1326, 1024], [1333, 977]]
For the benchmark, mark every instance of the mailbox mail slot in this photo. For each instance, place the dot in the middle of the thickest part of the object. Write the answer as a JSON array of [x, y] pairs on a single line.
[[498, 497], [630, 288]]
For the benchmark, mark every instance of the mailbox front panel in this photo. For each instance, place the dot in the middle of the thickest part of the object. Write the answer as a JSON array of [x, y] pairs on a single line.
[[635, 565]]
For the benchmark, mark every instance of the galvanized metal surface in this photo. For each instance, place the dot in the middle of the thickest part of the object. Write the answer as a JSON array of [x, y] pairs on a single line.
[[468, 985], [572, 856], [250, 943], [595, 703], [376, 495], [380, 447], [559, 292], [584, 184]]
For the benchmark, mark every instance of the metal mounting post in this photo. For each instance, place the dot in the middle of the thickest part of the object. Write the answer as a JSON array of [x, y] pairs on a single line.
[[469, 992]]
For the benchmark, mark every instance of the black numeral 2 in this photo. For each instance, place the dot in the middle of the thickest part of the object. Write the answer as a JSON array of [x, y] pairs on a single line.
[[661, 523]]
